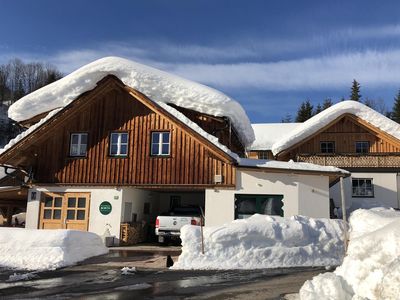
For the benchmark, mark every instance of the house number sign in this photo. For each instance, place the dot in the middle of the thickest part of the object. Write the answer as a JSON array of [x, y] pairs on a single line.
[[105, 207]]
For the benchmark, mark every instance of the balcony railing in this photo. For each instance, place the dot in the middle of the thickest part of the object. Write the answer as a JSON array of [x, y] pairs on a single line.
[[353, 160]]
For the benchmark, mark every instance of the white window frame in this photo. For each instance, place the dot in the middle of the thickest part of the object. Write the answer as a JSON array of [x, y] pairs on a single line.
[[119, 143], [362, 191], [79, 146], [161, 143]]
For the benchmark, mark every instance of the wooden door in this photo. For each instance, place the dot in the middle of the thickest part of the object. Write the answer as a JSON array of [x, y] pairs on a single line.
[[77, 211], [65, 211]]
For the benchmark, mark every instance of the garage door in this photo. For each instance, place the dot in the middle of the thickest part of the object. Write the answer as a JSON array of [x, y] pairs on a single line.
[[64, 211], [248, 205]]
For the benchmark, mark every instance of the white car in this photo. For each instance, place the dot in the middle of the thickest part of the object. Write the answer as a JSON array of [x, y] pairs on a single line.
[[168, 226]]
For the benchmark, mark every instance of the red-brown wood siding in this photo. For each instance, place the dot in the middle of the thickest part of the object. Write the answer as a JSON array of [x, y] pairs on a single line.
[[191, 162], [345, 133]]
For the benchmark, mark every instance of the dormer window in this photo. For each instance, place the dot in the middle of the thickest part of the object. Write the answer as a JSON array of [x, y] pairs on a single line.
[[160, 143], [119, 144], [78, 146]]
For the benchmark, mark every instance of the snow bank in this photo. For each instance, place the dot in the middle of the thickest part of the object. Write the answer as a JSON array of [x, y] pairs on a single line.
[[371, 269], [263, 242], [290, 165], [32, 249], [330, 114], [155, 84]]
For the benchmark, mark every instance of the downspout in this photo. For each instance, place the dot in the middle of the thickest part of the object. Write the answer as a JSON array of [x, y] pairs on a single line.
[[344, 214]]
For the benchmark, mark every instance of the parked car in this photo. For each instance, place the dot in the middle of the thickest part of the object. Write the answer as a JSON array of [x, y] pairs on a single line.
[[168, 225]]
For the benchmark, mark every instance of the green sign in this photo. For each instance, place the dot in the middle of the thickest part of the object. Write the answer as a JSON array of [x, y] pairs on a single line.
[[105, 207]]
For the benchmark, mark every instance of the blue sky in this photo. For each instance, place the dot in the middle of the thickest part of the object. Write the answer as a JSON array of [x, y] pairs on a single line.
[[268, 55]]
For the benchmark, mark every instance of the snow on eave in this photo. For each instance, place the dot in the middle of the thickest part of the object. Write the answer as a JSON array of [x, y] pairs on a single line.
[[324, 118], [29, 131], [266, 134], [155, 84], [212, 139], [289, 166]]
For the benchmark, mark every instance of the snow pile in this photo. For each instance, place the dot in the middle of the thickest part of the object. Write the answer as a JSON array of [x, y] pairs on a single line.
[[290, 165], [155, 84], [128, 270], [263, 242], [329, 115], [20, 277], [32, 249], [371, 269], [266, 134]]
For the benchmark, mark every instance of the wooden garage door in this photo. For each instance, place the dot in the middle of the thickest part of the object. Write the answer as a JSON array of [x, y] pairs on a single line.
[[64, 211]]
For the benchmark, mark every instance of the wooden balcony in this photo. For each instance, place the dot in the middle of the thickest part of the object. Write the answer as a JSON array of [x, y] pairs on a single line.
[[353, 160]]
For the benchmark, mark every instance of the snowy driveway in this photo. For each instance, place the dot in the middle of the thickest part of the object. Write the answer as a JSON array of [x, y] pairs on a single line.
[[104, 277]]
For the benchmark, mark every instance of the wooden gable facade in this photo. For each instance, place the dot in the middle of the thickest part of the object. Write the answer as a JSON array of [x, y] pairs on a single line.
[[113, 107], [383, 150]]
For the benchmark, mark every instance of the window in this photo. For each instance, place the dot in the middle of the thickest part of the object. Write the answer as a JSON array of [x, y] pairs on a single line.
[[362, 147], [160, 143], [362, 187], [119, 144], [78, 144], [248, 205], [327, 147], [262, 155]]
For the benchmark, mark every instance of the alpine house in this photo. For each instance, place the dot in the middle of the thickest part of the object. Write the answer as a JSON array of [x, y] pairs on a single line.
[[347, 135], [119, 142]]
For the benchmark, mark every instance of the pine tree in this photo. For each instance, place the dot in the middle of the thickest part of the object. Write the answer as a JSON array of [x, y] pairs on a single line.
[[355, 91], [287, 118], [305, 111], [395, 114], [327, 103], [318, 109]]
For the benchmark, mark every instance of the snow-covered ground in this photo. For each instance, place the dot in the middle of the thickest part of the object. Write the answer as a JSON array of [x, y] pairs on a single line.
[[263, 242], [30, 249], [371, 268]]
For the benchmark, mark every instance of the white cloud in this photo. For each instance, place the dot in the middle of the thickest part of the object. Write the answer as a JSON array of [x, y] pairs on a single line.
[[371, 68]]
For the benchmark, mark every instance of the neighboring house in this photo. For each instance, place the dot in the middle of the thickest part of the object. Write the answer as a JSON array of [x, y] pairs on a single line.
[[348, 135], [124, 142]]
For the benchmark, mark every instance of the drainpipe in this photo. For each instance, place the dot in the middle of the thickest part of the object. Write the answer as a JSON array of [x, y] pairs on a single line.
[[344, 215]]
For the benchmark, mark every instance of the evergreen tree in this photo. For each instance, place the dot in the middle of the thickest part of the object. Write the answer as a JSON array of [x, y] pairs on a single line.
[[395, 114], [318, 109], [305, 111], [287, 118], [327, 103], [355, 91]]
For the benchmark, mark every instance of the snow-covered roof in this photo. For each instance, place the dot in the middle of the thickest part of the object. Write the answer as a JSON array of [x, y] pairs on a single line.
[[290, 165], [266, 134], [158, 85], [330, 114]]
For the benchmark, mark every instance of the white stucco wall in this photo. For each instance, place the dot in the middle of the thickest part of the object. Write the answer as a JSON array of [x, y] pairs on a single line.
[[385, 191], [302, 194], [32, 210], [314, 196], [97, 221]]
